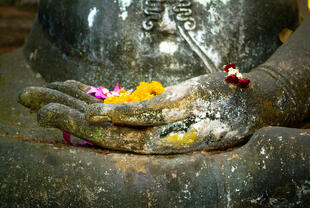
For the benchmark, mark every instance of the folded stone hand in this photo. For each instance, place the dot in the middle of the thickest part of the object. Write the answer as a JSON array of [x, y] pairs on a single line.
[[201, 113], [186, 117]]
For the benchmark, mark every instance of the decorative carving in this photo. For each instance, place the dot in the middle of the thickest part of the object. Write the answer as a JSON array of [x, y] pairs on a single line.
[[184, 14], [152, 10], [185, 23]]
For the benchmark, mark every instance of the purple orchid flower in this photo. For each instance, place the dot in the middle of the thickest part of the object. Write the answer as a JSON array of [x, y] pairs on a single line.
[[99, 93], [102, 92]]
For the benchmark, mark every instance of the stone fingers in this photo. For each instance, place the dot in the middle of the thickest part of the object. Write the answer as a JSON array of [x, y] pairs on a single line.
[[78, 84], [104, 135], [75, 89], [145, 140], [37, 97]]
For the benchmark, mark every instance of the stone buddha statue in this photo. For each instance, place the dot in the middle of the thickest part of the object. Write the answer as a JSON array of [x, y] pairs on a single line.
[[133, 41], [166, 41], [233, 158]]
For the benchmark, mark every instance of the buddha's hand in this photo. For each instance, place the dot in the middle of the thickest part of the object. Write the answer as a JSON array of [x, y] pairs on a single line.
[[201, 113]]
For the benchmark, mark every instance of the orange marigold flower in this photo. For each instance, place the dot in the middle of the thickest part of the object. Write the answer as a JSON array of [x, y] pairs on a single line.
[[143, 92]]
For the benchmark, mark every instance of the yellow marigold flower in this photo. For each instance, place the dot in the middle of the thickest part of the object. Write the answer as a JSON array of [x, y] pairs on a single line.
[[143, 92]]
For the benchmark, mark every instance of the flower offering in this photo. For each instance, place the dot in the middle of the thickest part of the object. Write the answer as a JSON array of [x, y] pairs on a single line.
[[143, 92], [120, 95], [234, 76]]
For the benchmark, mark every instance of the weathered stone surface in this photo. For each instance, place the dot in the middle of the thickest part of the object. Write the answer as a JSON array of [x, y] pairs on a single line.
[[201, 113], [16, 74], [271, 170], [104, 42], [16, 120]]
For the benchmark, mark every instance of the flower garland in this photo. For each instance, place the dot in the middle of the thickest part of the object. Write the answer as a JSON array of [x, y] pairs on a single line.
[[234, 76], [120, 95]]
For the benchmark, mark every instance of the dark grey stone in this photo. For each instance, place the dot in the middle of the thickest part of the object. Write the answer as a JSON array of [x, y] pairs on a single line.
[[104, 42], [271, 170], [204, 112]]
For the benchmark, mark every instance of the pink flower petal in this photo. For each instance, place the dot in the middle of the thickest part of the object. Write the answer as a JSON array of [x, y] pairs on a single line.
[[66, 136], [99, 95], [116, 89], [86, 144]]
